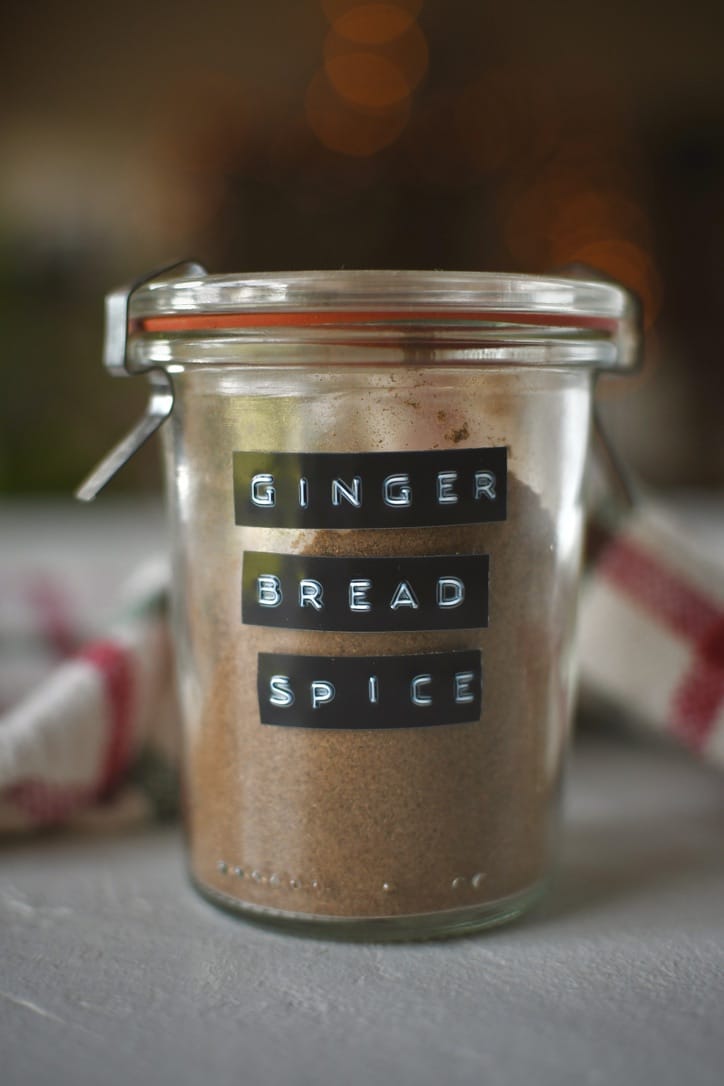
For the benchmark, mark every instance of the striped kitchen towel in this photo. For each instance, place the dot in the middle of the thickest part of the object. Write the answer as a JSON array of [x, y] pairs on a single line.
[[94, 740], [651, 625]]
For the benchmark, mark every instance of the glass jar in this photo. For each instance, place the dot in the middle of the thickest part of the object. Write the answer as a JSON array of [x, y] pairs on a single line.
[[375, 488]]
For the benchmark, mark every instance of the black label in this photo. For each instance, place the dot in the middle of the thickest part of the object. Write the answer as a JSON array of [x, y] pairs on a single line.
[[369, 692], [370, 490], [309, 592]]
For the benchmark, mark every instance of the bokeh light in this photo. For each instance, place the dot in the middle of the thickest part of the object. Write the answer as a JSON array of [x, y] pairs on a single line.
[[349, 131], [374, 57], [365, 79], [374, 24], [338, 9], [629, 264], [581, 219], [376, 76]]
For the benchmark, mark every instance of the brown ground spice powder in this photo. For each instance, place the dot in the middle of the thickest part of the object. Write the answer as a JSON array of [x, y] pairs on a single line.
[[389, 822]]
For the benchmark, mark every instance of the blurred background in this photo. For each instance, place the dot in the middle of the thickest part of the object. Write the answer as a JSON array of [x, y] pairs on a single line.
[[452, 134]]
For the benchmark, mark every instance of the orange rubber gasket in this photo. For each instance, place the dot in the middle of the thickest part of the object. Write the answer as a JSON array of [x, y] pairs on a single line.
[[203, 321]]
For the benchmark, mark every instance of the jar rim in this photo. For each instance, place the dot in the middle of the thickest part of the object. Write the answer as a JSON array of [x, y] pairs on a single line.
[[384, 299], [381, 291]]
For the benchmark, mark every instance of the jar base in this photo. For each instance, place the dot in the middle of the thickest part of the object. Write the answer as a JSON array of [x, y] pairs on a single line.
[[382, 929]]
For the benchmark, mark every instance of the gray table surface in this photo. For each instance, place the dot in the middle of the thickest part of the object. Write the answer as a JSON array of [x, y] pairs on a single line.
[[114, 970]]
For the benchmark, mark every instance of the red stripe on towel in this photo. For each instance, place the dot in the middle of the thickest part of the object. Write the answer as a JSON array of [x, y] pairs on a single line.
[[688, 613], [696, 701], [658, 589], [114, 664], [48, 804]]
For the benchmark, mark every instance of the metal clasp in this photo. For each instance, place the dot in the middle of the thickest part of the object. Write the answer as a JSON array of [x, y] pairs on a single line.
[[620, 484], [116, 361]]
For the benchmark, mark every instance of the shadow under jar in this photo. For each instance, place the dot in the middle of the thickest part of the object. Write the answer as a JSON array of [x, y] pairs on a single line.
[[375, 488]]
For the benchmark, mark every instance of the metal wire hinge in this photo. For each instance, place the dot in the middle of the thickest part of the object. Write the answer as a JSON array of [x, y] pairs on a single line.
[[116, 361], [620, 484]]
